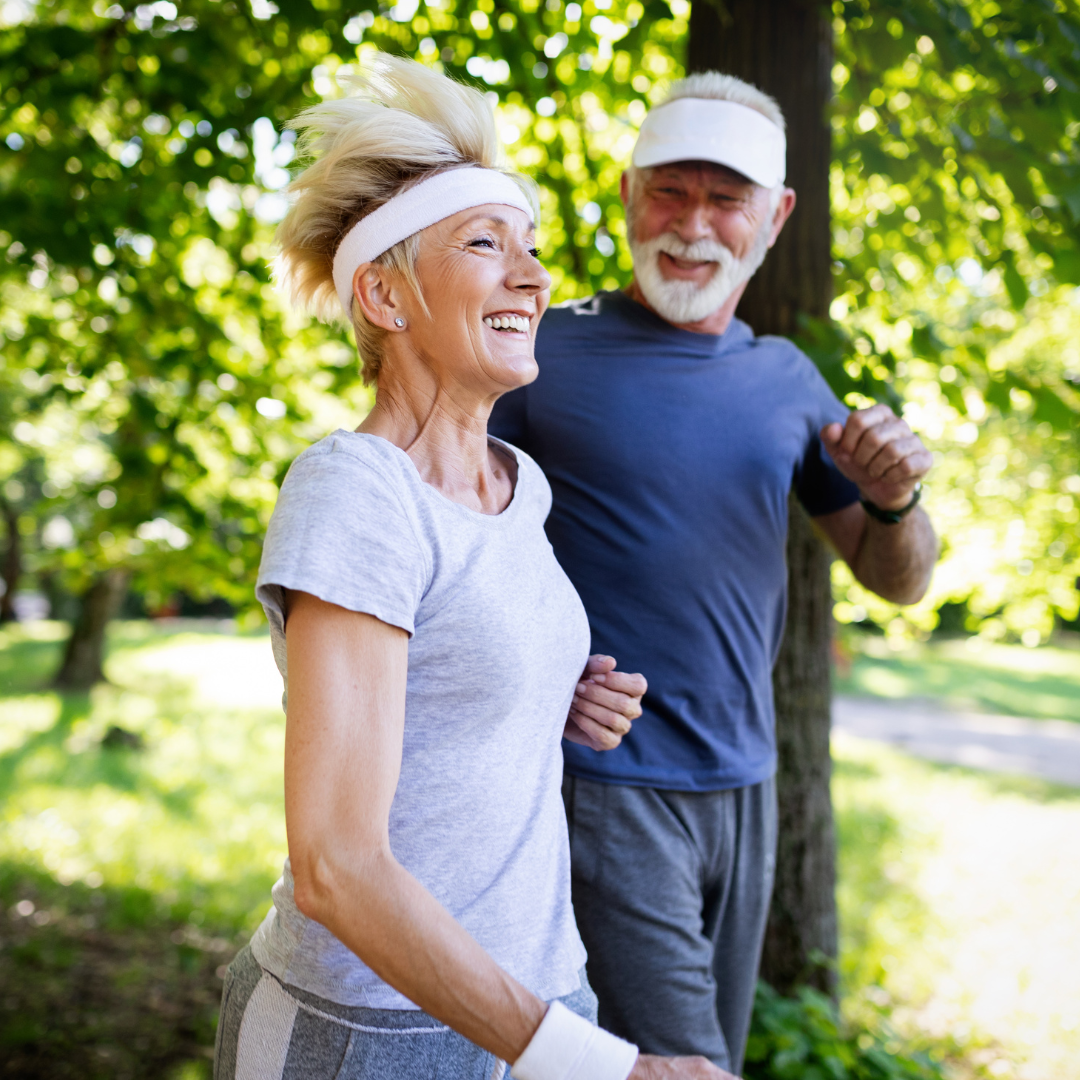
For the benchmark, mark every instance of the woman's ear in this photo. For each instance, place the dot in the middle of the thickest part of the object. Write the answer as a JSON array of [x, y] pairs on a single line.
[[379, 298]]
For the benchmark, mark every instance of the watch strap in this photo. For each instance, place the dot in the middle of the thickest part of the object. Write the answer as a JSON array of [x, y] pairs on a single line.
[[892, 517]]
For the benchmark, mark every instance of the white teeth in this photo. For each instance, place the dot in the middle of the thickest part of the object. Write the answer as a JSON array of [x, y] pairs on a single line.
[[507, 322]]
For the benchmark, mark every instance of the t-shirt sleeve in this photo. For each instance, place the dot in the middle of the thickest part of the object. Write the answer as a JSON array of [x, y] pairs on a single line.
[[508, 419], [341, 532], [819, 484]]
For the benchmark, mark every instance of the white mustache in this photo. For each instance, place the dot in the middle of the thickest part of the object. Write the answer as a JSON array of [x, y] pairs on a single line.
[[682, 301], [698, 251]]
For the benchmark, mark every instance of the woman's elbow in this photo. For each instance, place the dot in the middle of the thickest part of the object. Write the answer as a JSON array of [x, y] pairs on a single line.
[[313, 886], [323, 886]]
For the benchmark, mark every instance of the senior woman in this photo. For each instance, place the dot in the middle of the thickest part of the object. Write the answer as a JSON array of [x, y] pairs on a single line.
[[430, 643]]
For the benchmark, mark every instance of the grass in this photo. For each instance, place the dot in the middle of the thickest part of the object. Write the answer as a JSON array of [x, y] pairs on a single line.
[[965, 673], [958, 895], [129, 874], [131, 870]]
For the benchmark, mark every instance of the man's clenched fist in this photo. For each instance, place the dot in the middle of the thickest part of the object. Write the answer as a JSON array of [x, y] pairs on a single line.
[[877, 450]]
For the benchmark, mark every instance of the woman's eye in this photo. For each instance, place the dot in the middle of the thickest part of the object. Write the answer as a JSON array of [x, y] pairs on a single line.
[[535, 252], [483, 240]]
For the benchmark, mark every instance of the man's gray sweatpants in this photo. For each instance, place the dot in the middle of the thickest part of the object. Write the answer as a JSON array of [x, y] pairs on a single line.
[[671, 892]]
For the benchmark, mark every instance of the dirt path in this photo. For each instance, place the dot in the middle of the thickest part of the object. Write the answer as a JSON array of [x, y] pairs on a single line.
[[1049, 749]]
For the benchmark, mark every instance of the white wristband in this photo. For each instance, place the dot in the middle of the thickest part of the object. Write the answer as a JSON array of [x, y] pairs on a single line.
[[567, 1047]]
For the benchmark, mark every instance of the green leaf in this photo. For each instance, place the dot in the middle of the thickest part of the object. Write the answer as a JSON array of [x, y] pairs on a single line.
[[1015, 284]]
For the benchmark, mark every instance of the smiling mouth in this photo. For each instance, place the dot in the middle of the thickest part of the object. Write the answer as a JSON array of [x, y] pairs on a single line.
[[513, 324], [687, 264]]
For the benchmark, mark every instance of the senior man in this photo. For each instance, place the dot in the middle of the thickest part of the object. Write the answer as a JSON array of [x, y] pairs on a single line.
[[671, 436]]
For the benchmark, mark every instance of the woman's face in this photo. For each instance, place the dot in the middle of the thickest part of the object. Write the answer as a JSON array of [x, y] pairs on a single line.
[[485, 291]]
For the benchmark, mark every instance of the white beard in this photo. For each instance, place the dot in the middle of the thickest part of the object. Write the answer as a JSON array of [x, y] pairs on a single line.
[[686, 301]]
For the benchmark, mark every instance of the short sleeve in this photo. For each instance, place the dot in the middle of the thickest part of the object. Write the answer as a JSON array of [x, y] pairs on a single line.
[[819, 484], [342, 532], [508, 419]]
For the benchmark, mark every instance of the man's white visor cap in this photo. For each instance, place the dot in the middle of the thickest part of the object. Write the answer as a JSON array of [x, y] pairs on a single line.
[[704, 129]]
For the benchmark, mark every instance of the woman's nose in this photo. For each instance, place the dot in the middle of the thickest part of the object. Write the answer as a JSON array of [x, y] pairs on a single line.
[[527, 274]]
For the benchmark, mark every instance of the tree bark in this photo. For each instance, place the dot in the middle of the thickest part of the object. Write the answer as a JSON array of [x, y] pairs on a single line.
[[12, 571], [801, 940], [82, 664], [785, 48]]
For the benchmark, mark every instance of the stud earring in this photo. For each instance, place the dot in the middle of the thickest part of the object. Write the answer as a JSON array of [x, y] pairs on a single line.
[[399, 321]]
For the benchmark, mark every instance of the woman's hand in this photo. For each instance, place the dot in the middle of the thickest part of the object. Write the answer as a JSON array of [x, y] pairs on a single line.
[[650, 1067], [605, 703]]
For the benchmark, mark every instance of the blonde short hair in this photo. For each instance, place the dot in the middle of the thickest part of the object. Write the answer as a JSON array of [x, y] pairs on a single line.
[[400, 123]]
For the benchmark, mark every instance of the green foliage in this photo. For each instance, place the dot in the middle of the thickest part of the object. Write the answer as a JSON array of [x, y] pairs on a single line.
[[804, 1039], [141, 169], [131, 874], [955, 176], [161, 388]]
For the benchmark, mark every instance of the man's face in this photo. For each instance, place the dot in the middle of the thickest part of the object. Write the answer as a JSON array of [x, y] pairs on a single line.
[[698, 231]]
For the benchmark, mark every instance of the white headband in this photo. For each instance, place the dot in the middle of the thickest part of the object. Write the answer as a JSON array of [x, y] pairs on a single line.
[[704, 129], [432, 200]]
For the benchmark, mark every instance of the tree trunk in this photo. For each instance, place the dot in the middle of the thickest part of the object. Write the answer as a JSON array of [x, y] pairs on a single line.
[[785, 48], [81, 667], [12, 570], [801, 941]]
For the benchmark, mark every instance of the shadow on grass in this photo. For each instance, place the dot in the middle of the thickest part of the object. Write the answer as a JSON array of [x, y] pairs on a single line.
[[97, 983], [73, 707], [117, 766], [28, 666]]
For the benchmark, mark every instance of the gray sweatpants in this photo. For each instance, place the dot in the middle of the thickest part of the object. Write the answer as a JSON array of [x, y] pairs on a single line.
[[271, 1031], [671, 892]]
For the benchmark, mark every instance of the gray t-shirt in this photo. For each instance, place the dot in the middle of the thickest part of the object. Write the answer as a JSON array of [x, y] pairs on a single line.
[[498, 639]]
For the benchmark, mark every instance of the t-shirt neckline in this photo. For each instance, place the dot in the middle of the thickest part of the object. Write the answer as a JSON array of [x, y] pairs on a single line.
[[437, 496], [711, 345]]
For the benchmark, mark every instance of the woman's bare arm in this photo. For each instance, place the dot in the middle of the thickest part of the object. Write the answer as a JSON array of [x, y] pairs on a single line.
[[343, 744]]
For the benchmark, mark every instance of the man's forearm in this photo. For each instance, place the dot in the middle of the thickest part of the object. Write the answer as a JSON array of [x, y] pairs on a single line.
[[896, 561]]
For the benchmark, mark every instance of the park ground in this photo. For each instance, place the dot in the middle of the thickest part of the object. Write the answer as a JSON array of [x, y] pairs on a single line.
[[141, 827]]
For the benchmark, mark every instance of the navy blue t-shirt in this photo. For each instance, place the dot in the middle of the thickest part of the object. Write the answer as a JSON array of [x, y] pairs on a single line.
[[670, 456]]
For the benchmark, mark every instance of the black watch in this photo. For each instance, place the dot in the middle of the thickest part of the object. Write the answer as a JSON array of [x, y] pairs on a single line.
[[892, 517]]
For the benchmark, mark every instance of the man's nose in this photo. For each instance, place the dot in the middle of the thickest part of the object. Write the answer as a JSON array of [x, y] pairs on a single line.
[[693, 223]]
